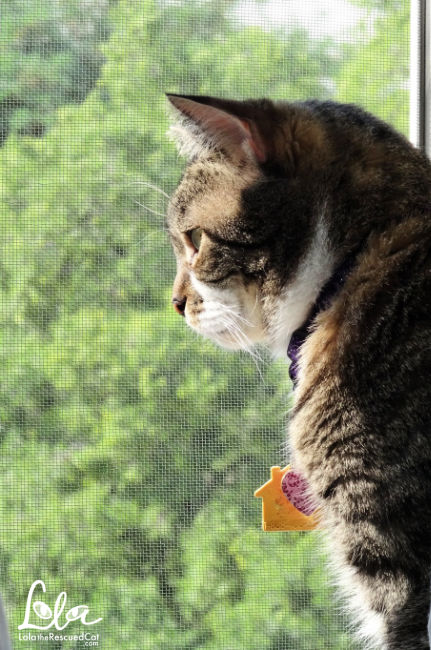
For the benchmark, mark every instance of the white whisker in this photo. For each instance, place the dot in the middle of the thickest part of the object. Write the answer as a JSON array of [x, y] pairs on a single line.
[[149, 235], [244, 341], [150, 185], [255, 304], [231, 311], [142, 205]]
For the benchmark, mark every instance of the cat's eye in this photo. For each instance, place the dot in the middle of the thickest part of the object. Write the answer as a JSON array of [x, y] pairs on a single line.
[[196, 236]]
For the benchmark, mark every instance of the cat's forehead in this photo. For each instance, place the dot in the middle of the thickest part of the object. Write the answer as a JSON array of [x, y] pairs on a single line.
[[210, 186], [200, 177]]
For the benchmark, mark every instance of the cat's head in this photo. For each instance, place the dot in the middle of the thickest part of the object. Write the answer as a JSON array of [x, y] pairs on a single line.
[[242, 223]]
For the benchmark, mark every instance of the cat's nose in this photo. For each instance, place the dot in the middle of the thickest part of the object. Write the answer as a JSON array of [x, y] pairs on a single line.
[[179, 305]]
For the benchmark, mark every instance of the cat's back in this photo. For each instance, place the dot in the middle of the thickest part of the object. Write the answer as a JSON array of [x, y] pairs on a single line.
[[374, 342]]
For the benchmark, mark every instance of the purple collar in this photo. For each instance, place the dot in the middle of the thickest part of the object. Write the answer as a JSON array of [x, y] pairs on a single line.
[[332, 286]]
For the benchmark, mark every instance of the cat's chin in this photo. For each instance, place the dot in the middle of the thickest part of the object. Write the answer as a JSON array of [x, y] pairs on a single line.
[[228, 345], [223, 338]]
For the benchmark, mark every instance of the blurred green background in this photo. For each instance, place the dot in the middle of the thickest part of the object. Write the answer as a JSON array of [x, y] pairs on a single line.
[[130, 448]]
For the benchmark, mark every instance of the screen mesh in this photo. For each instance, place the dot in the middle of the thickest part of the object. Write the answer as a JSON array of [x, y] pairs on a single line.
[[131, 448]]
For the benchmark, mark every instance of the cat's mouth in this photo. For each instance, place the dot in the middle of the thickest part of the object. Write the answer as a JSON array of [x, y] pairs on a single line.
[[230, 337], [234, 323], [230, 315]]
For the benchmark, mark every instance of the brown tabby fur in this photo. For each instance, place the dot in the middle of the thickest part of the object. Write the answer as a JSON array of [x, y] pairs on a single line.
[[283, 192]]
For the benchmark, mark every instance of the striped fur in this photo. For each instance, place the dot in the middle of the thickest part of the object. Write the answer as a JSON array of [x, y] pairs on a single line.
[[283, 193]]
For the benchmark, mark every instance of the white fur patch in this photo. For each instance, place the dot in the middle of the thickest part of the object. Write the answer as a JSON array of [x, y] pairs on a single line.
[[367, 625], [372, 629], [299, 296], [370, 625], [230, 316]]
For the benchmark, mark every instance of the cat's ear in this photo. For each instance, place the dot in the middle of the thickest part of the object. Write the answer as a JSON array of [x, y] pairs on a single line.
[[206, 123]]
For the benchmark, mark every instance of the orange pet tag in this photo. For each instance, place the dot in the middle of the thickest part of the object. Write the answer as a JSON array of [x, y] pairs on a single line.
[[284, 502]]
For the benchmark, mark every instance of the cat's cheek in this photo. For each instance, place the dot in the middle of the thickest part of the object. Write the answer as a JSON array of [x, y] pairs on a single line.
[[204, 314], [230, 316], [219, 335], [192, 321], [193, 310]]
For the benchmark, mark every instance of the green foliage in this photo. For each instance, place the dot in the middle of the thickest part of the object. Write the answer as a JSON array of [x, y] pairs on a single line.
[[49, 57], [378, 80], [130, 449]]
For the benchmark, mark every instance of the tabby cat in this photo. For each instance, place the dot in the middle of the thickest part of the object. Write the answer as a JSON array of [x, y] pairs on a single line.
[[276, 198]]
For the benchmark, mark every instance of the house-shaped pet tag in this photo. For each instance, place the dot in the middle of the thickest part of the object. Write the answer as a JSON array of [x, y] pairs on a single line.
[[284, 502]]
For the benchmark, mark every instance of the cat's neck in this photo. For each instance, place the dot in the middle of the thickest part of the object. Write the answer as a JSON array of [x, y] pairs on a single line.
[[324, 299], [295, 303]]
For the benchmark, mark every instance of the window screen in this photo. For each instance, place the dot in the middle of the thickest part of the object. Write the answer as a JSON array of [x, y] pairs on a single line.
[[130, 448]]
